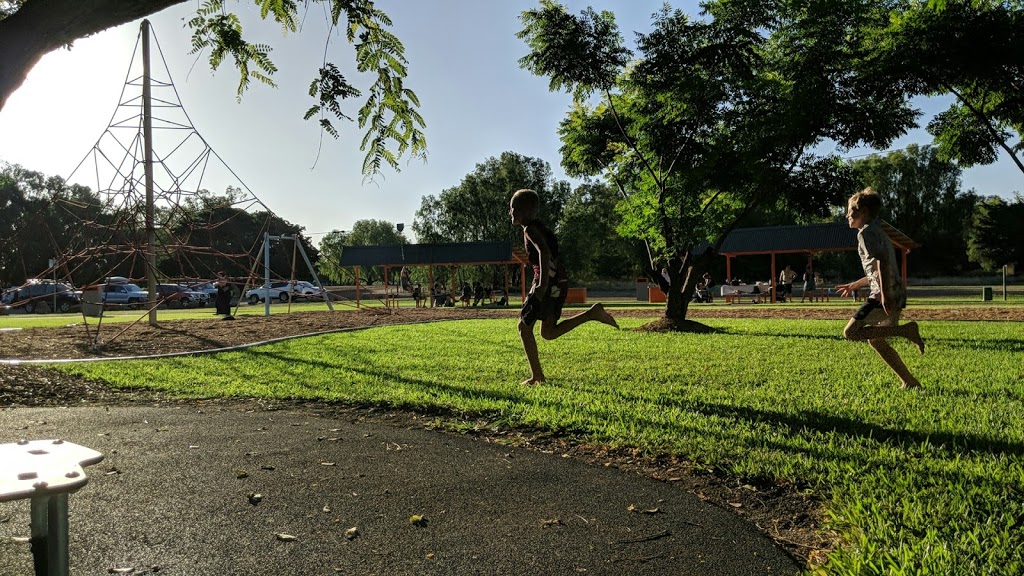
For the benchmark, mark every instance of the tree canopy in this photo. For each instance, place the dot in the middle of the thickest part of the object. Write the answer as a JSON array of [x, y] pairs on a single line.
[[364, 233], [995, 237], [968, 49], [393, 126]]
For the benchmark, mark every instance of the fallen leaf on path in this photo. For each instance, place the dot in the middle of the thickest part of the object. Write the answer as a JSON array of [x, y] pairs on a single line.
[[552, 522], [418, 520], [286, 537], [633, 508], [351, 533], [241, 474]]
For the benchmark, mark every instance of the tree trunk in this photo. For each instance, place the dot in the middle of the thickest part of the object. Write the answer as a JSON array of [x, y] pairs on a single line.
[[684, 278], [41, 26]]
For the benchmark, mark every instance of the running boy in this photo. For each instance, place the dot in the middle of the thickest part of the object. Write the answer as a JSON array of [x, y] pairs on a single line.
[[878, 319], [550, 284]]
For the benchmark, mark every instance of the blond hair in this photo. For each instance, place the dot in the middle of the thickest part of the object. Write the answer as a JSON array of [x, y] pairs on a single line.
[[868, 201]]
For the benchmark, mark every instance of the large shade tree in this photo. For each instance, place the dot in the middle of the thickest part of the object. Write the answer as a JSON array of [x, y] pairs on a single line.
[[393, 126], [712, 117]]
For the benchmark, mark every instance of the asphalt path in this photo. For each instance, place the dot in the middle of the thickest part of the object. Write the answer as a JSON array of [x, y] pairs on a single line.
[[224, 490]]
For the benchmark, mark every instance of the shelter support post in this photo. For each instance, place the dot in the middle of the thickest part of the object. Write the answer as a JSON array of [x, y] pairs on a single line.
[[357, 287], [430, 274], [728, 267], [774, 284], [903, 267]]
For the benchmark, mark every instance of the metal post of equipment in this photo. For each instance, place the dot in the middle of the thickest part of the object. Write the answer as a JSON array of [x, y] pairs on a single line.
[[266, 273], [147, 131]]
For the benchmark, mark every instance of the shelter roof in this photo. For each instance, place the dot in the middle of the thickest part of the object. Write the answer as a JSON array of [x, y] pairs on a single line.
[[462, 253], [828, 237]]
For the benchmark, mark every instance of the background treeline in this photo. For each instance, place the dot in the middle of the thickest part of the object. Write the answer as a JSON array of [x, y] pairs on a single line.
[[961, 232], [43, 218]]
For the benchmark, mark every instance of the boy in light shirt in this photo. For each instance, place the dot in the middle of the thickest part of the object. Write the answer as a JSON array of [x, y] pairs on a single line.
[[878, 319]]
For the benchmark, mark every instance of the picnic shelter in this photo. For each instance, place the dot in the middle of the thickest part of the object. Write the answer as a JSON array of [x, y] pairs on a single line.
[[809, 239]]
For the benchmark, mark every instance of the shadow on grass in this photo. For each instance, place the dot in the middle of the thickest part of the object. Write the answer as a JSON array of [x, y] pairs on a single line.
[[797, 422]]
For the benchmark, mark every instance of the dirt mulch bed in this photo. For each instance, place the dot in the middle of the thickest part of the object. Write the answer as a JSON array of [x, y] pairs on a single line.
[[787, 514]]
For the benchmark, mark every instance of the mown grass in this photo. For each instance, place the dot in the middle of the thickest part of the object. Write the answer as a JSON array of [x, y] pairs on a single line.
[[918, 482]]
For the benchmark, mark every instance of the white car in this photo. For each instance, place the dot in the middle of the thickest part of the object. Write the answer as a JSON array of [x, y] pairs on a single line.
[[281, 291]]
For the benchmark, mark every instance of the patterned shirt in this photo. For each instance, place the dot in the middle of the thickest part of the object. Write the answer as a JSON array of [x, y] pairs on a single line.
[[877, 253]]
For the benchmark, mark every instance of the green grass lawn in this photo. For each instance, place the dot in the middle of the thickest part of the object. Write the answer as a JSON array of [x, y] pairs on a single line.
[[918, 482]]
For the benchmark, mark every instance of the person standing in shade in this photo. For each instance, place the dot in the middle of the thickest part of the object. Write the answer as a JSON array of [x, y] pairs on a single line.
[[878, 319], [550, 284], [222, 301], [809, 285]]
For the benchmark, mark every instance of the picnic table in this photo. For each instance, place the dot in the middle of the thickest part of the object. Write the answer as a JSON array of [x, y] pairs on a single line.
[[756, 292]]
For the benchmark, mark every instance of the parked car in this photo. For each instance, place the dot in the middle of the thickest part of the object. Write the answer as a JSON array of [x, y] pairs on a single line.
[[307, 290], [30, 295], [276, 291], [125, 294], [177, 296], [205, 287]]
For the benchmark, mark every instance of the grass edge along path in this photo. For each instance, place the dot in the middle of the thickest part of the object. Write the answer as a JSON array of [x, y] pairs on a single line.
[[917, 482]]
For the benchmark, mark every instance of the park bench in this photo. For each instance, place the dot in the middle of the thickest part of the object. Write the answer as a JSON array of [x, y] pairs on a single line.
[[45, 471]]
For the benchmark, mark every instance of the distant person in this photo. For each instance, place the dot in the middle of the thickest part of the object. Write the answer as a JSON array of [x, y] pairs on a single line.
[[222, 300], [440, 295], [478, 293], [417, 295], [550, 284], [404, 279], [809, 285], [786, 278], [467, 294], [878, 318]]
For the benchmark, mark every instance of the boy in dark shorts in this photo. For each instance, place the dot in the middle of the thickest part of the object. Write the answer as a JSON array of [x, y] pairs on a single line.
[[550, 284], [878, 319]]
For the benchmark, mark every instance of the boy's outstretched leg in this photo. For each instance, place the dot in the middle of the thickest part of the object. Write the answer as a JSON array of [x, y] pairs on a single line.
[[597, 313]]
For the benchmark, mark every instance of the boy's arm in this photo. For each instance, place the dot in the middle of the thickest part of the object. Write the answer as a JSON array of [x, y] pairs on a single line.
[[882, 265], [540, 286]]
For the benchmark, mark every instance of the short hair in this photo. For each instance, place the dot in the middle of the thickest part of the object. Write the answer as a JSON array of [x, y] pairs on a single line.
[[526, 200], [868, 201]]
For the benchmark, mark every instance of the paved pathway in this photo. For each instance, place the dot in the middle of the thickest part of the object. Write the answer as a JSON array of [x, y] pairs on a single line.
[[172, 497]]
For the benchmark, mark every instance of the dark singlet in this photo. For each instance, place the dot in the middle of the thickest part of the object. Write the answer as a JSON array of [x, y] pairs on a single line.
[[556, 271]]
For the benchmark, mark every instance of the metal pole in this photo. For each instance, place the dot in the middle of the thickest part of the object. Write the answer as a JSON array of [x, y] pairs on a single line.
[[147, 133], [266, 273], [1004, 282]]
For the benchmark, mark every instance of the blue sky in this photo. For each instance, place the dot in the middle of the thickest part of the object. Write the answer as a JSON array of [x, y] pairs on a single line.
[[463, 55]]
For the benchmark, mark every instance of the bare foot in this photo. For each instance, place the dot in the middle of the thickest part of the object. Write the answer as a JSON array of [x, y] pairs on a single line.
[[531, 381], [915, 336], [603, 316], [910, 385]]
